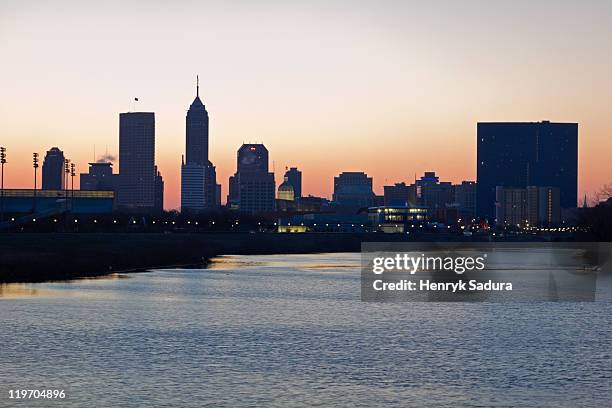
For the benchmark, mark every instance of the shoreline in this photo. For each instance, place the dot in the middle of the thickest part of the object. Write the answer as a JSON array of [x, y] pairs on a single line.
[[43, 257]]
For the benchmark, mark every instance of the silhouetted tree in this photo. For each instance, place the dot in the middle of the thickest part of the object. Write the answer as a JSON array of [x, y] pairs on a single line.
[[598, 219]]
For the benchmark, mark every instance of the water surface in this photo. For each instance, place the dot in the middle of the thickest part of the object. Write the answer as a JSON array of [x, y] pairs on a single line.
[[290, 330]]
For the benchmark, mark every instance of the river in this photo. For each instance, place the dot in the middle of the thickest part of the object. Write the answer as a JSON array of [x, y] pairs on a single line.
[[290, 330]]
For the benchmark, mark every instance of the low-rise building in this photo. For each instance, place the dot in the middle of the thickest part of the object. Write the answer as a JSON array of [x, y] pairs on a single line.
[[395, 219], [23, 201], [353, 189], [400, 194], [100, 177]]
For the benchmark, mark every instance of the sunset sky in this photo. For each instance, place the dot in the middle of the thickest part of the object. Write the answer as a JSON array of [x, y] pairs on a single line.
[[389, 88]]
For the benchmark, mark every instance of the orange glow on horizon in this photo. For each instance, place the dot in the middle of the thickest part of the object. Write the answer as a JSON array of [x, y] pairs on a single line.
[[391, 91]]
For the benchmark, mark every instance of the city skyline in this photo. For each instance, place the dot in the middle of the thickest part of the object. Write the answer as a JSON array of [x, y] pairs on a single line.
[[392, 95]]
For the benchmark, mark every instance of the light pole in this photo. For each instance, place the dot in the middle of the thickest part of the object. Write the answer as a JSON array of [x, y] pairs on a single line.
[[2, 161], [35, 165], [66, 173], [72, 174]]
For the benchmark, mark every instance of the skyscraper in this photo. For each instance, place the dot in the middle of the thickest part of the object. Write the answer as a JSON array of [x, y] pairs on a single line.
[[198, 175], [158, 204], [53, 170], [196, 142], [136, 187], [526, 154], [294, 178], [252, 158], [252, 186]]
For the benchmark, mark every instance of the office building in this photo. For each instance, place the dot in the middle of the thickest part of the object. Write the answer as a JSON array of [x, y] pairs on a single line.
[[53, 170], [196, 131], [429, 177], [193, 182], [100, 177], [198, 175], [294, 178], [465, 199], [511, 206], [526, 154], [218, 195], [400, 194], [252, 187], [256, 192], [353, 189], [532, 206], [199, 191], [543, 206], [136, 186], [433, 193], [252, 158]]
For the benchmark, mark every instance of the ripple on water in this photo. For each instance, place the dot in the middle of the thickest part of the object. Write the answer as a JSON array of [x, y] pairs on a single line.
[[289, 330]]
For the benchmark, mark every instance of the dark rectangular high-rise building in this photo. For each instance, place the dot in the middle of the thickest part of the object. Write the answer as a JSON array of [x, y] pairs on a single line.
[[521, 154], [252, 187], [53, 170], [158, 205], [294, 177], [136, 189]]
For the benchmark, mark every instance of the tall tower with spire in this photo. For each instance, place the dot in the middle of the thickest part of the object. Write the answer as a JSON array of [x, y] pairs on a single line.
[[196, 146], [198, 175]]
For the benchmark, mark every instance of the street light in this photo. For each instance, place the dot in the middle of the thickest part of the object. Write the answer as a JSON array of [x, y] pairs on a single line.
[[35, 165], [2, 161], [66, 173], [72, 174]]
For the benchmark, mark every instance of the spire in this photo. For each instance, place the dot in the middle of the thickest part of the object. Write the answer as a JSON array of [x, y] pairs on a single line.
[[197, 102], [584, 205]]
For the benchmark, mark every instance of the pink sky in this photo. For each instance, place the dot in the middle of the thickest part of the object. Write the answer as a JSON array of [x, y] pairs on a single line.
[[389, 88]]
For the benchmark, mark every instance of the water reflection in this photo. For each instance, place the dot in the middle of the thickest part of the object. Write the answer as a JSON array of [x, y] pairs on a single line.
[[228, 262], [20, 290], [53, 288]]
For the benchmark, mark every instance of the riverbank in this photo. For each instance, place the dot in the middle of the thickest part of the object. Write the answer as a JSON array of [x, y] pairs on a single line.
[[38, 257]]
